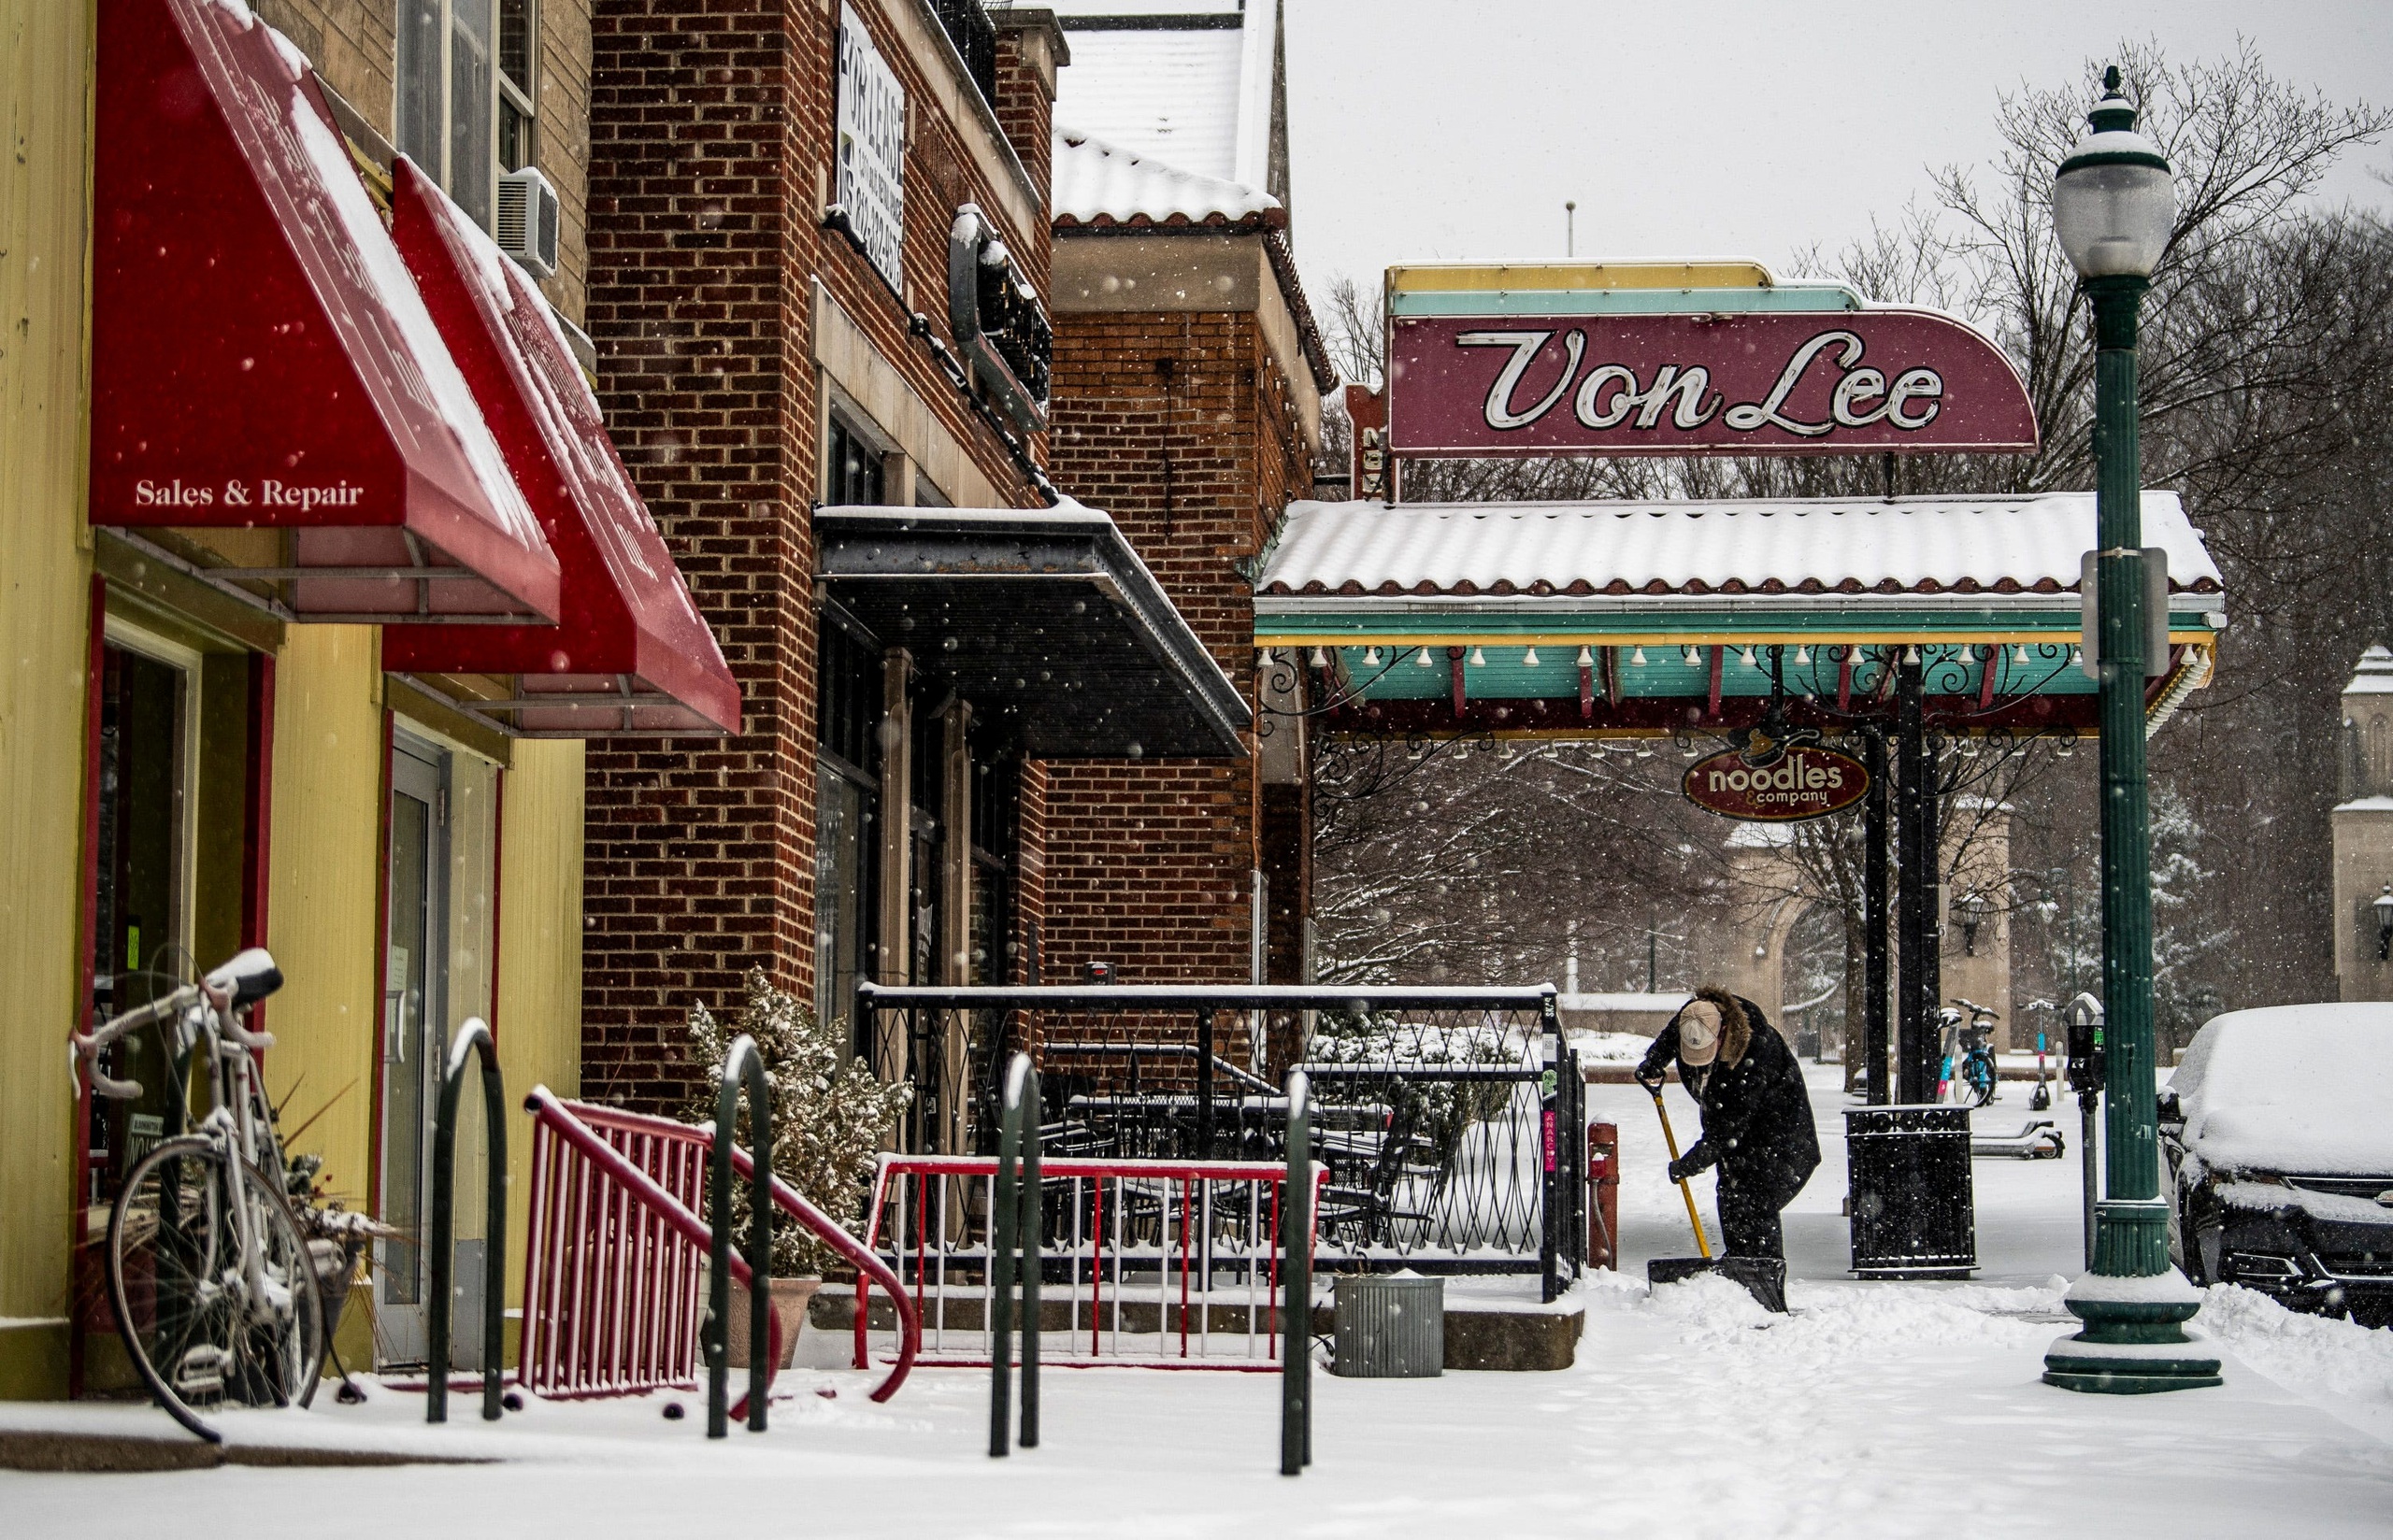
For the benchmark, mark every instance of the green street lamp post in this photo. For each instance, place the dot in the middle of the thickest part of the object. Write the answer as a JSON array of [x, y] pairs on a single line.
[[2114, 207]]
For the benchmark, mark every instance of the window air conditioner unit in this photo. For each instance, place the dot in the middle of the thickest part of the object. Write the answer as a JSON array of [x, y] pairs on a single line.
[[527, 220]]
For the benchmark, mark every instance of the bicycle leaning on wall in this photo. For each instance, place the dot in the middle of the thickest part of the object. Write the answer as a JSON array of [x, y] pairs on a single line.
[[215, 1289]]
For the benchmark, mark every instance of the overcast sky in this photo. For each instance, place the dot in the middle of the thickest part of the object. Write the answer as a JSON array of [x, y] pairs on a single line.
[[1427, 129]]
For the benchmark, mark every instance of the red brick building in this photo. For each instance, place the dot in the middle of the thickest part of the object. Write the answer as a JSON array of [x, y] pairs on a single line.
[[824, 278], [1188, 385]]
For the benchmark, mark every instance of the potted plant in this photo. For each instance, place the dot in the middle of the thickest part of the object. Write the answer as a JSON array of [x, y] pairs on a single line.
[[830, 1116]]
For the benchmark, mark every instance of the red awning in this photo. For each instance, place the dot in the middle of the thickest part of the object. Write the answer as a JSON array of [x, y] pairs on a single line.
[[629, 654], [259, 358]]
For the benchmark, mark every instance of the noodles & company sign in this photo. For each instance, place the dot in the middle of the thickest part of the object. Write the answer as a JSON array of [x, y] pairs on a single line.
[[1804, 782]]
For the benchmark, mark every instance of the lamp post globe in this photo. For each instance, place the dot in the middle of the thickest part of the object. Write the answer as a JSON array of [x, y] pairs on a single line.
[[2115, 203], [2113, 208]]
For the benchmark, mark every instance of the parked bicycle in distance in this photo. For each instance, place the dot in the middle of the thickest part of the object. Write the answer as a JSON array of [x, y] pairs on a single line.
[[1970, 1074], [215, 1289]]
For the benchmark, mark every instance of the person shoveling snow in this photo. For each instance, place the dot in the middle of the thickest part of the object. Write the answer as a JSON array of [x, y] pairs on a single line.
[[1758, 1129]]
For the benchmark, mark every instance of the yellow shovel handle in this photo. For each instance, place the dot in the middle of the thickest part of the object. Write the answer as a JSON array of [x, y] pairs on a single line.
[[1701, 1245]]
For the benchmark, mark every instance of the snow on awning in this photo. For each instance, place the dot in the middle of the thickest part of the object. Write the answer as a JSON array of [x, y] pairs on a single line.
[[1193, 82], [1044, 619], [1098, 184], [629, 654], [1856, 548], [259, 358]]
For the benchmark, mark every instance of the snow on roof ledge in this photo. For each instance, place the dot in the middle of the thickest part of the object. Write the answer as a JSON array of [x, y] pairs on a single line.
[[2373, 676], [1097, 184], [1760, 547]]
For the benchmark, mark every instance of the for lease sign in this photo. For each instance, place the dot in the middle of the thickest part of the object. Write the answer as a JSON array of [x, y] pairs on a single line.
[[1763, 383], [1805, 782], [870, 186]]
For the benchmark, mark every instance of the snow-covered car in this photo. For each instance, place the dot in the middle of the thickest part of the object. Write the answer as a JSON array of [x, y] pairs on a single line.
[[2276, 1129]]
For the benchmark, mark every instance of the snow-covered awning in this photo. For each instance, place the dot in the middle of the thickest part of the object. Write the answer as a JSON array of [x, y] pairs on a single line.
[[1631, 617], [1097, 184], [1845, 547], [1044, 619]]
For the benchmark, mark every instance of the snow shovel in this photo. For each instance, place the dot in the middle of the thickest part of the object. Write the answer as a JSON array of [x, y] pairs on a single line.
[[1763, 1278]]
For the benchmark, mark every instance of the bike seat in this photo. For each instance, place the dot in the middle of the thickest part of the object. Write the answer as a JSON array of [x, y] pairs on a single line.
[[250, 976]]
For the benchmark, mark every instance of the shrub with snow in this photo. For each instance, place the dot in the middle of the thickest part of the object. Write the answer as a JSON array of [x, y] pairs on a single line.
[[829, 1112]]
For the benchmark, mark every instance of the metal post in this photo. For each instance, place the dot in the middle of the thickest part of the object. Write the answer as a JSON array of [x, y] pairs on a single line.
[[1031, 1268], [1205, 1083], [742, 1069], [474, 1037], [1876, 859], [2116, 1350], [1549, 1108], [1004, 1209], [2086, 1158], [1295, 1271], [1915, 880]]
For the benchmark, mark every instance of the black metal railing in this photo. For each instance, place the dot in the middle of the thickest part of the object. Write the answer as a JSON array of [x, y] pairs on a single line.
[[968, 27], [1451, 1120]]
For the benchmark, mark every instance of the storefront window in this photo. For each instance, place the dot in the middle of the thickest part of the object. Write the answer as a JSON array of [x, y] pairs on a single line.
[[148, 715], [848, 721]]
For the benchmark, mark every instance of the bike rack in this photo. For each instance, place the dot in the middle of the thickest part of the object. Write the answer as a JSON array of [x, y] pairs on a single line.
[[1019, 1217], [473, 1036], [743, 1068], [1296, 1268]]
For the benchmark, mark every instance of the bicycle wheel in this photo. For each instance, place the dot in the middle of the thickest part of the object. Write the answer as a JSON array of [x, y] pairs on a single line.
[[176, 1282], [1981, 1082]]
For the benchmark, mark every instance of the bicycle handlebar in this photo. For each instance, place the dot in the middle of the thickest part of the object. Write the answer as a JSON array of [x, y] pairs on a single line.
[[89, 1046]]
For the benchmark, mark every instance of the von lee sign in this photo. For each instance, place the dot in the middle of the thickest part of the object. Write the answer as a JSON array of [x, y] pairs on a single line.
[[1805, 782], [1778, 383]]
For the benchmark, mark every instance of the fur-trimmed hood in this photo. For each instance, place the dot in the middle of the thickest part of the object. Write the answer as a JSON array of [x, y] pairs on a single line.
[[1735, 1027]]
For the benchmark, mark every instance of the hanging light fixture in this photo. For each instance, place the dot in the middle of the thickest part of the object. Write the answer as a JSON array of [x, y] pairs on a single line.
[[1371, 657], [1528, 658], [1969, 653], [1422, 657], [1263, 657], [1747, 654], [1911, 655], [1636, 659], [2021, 655], [1686, 656], [1803, 656], [1321, 657], [1478, 657]]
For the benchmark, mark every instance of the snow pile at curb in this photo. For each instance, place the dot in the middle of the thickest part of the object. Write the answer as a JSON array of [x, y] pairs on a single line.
[[2306, 1354]]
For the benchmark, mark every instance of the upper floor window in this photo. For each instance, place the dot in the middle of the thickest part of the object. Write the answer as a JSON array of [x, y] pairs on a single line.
[[465, 92], [853, 468]]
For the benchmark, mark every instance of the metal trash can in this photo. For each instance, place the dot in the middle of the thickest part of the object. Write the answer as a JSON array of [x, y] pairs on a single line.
[[1390, 1326], [1914, 1208]]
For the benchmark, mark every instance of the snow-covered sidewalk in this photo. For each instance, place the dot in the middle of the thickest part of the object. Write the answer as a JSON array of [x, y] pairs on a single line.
[[1878, 1409]]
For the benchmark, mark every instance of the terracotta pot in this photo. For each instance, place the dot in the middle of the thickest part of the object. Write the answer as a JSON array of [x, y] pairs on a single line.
[[790, 1297]]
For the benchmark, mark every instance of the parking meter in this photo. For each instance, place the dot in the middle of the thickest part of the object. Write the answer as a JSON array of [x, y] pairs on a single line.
[[2084, 1016], [2085, 1045]]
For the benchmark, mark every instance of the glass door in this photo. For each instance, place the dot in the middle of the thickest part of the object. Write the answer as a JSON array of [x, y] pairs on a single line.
[[414, 985]]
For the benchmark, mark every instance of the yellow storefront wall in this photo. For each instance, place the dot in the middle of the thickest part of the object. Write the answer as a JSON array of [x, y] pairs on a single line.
[[328, 775], [45, 627]]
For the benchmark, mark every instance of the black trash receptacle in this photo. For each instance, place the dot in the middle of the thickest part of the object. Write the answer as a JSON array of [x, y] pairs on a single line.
[[1914, 1215]]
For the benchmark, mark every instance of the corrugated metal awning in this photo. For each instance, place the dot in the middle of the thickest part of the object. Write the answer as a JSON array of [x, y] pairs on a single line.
[[1044, 619]]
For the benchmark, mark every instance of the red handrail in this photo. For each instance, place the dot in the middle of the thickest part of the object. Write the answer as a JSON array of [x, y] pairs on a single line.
[[569, 1123], [544, 1106], [909, 1320]]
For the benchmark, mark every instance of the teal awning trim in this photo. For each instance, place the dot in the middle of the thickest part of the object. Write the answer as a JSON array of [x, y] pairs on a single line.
[[1798, 297]]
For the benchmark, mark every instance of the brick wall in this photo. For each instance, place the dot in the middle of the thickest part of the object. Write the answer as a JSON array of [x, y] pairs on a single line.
[[1178, 426], [710, 147]]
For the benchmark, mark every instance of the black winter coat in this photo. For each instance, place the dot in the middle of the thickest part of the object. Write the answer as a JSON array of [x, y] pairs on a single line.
[[1757, 1113]]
